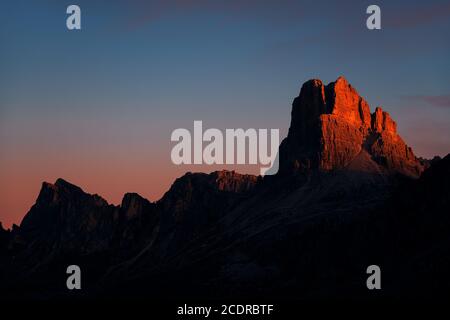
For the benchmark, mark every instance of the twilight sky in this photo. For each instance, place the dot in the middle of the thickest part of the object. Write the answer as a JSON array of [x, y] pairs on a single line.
[[97, 106]]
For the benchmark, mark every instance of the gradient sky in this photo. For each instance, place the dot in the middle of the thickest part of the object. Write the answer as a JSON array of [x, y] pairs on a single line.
[[97, 106]]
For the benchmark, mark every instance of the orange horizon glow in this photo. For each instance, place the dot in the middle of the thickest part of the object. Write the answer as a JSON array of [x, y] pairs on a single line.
[[20, 188]]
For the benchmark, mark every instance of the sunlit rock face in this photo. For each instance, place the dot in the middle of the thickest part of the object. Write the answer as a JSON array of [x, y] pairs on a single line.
[[331, 125]]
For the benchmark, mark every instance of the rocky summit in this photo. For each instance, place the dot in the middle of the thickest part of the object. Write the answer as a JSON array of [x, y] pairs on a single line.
[[332, 126], [349, 193]]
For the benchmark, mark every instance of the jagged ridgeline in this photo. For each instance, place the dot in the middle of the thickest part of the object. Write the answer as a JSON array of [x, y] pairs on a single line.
[[349, 193]]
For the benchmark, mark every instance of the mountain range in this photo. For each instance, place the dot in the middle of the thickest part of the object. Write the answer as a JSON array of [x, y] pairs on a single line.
[[349, 193]]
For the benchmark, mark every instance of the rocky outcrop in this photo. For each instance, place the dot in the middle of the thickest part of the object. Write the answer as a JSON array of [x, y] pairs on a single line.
[[388, 148], [205, 191], [332, 124], [65, 218], [138, 221], [195, 202]]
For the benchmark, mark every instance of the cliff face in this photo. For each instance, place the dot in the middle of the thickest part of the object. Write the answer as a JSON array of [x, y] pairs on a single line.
[[65, 218], [331, 125], [194, 203]]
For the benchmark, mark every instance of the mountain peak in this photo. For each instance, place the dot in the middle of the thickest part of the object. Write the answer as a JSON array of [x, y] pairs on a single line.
[[133, 205], [332, 124], [62, 190], [61, 183], [342, 79], [382, 122]]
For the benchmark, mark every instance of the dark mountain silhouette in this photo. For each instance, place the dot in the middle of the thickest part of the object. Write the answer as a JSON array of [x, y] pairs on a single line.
[[4, 238], [349, 194]]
